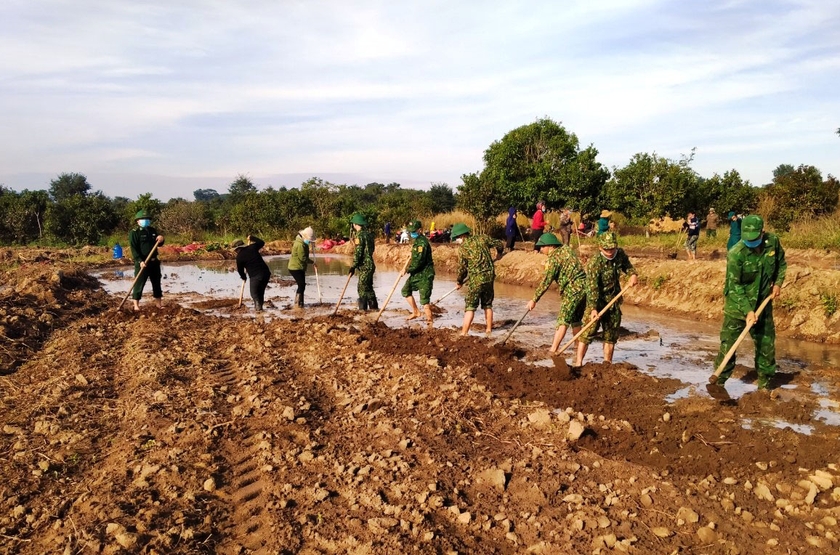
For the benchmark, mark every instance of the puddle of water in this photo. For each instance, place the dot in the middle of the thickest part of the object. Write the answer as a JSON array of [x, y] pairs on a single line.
[[658, 344], [806, 429]]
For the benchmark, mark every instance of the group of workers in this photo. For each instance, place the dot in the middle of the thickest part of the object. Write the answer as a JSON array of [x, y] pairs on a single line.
[[755, 271]]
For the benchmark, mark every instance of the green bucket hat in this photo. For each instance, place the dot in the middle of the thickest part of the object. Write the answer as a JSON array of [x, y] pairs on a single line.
[[459, 229], [415, 225], [751, 227], [548, 240], [358, 219], [607, 241], [141, 215]]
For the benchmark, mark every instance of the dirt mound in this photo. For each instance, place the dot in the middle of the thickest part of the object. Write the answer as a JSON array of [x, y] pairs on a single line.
[[174, 431]]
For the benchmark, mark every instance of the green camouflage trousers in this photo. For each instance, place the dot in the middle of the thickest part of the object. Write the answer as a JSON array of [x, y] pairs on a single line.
[[365, 285], [763, 334], [479, 294], [572, 308], [422, 283], [609, 322]]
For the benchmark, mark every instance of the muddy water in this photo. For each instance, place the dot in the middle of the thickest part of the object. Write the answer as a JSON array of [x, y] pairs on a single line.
[[657, 344]]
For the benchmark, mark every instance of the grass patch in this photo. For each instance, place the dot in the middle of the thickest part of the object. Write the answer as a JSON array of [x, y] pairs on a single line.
[[828, 300]]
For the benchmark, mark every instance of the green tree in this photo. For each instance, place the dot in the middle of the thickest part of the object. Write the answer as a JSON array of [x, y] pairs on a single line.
[[81, 219], [542, 160], [800, 193], [67, 185], [204, 195], [481, 198], [441, 198], [726, 193], [184, 218], [240, 187], [147, 202]]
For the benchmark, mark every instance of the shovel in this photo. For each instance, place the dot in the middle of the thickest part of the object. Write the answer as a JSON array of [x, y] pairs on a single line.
[[713, 378], [445, 295], [394, 288], [516, 325], [346, 283], [241, 294], [317, 280], [133, 283]]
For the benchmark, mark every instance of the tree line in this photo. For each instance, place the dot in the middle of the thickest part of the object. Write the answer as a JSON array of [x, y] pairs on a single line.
[[537, 161]]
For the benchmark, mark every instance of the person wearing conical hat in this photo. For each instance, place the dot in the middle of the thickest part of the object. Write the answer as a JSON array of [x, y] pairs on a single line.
[[564, 267], [604, 222], [363, 263], [421, 271], [299, 261], [755, 269], [475, 268], [249, 259], [142, 241], [603, 273]]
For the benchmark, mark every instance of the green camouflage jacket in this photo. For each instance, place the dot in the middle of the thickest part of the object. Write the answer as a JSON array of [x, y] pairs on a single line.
[[363, 255], [751, 274], [564, 267], [603, 278], [475, 262], [421, 257]]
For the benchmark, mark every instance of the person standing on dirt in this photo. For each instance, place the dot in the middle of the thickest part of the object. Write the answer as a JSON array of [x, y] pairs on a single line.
[[734, 230], [142, 240], [755, 269], [421, 272], [387, 232], [566, 224], [475, 267], [299, 260], [538, 224], [511, 229], [603, 273], [564, 267], [363, 263], [249, 259], [692, 225], [604, 222], [712, 220]]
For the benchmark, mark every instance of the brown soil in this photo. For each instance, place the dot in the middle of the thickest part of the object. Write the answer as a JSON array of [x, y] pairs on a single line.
[[174, 431]]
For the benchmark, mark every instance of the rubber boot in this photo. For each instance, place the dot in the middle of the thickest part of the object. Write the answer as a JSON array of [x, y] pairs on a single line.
[[373, 304], [298, 300], [362, 304], [258, 307]]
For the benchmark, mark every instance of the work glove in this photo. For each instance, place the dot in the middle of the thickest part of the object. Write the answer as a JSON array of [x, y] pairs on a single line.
[[352, 270]]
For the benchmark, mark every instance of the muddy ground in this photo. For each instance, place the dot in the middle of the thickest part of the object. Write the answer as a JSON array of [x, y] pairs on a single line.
[[175, 431]]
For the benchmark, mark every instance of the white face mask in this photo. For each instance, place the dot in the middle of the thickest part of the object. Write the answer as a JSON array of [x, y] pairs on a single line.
[[144, 222], [459, 240], [609, 256]]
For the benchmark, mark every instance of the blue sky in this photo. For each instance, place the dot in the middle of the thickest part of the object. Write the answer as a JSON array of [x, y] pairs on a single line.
[[171, 96]]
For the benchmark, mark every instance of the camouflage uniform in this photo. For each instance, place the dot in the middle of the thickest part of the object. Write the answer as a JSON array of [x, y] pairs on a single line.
[[142, 241], [364, 266], [421, 270], [750, 277], [602, 285], [564, 267], [475, 266]]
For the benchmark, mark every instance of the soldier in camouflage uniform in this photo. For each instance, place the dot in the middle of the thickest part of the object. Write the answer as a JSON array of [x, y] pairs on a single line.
[[603, 273], [363, 263], [755, 269], [475, 267], [421, 271], [142, 240], [564, 267]]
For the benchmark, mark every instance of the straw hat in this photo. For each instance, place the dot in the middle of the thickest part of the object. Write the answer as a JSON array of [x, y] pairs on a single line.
[[307, 233]]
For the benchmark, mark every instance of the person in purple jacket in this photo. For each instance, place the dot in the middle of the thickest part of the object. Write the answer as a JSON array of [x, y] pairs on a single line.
[[511, 229]]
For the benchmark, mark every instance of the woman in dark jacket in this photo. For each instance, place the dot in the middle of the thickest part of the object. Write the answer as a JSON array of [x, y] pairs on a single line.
[[511, 229], [249, 259]]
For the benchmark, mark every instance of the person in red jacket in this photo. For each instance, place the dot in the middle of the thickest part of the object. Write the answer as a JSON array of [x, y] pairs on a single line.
[[538, 224]]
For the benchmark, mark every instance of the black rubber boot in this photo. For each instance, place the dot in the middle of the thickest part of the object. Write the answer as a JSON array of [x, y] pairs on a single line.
[[362, 304], [298, 300], [373, 304], [259, 307]]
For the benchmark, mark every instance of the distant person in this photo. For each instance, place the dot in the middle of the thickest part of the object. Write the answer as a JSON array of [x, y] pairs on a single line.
[[538, 224], [249, 259], [511, 229], [299, 261], [566, 225], [421, 271], [755, 269], [734, 230], [431, 229], [387, 232], [363, 263], [604, 222], [712, 220], [475, 268], [404, 236], [603, 273], [692, 226], [142, 240]]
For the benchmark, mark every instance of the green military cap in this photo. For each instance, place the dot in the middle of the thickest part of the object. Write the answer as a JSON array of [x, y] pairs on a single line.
[[548, 240], [415, 225], [607, 240], [751, 227], [459, 229], [358, 219], [141, 215]]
